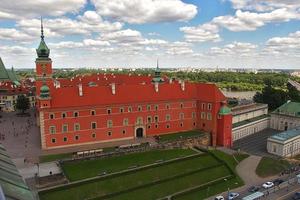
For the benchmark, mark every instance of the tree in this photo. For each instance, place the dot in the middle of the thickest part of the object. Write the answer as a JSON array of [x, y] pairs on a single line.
[[22, 103], [293, 93]]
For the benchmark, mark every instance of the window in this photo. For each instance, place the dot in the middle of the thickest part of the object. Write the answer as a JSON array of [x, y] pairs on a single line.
[[168, 126], [167, 106], [93, 125], [193, 115], [156, 107], [93, 112], [76, 137], [149, 119], [75, 114], [76, 127], [65, 128], [124, 132], [139, 120], [52, 129], [109, 133], [203, 115], [168, 117], [63, 115], [208, 116], [156, 125], [121, 110], [139, 108], [219, 117], [109, 111], [181, 124], [129, 109], [65, 139], [148, 107], [53, 140], [181, 105], [156, 118], [194, 124], [203, 106], [51, 116], [93, 135], [209, 106], [181, 116], [109, 123], [125, 122], [149, 126]]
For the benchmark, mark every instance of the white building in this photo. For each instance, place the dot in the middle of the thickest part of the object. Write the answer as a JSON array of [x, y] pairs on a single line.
[[286, 117], [249, 119], [285, 144]]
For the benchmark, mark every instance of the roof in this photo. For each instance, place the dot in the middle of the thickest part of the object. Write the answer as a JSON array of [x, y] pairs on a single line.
[[3, 72], [224, 110], [133, 93], [11, 181], [240, 109], [286, 135], [289, 108], [253, 196]]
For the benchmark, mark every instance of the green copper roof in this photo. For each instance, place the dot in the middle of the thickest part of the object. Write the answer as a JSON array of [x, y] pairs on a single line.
[[43, 51], [11, 181], [289, 108], [12, 75], [45, 91], [224, 110], [3, 72]]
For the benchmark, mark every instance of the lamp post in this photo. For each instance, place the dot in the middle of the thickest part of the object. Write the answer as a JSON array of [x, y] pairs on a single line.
[[225, 179]]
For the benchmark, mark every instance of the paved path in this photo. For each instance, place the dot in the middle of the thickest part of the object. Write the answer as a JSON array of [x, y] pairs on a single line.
[[246, 170]]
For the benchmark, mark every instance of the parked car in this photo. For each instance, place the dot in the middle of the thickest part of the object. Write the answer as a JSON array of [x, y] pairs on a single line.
[[233, 195], [296, 196], [278, 181], [253, 189], [268, 184], [219, 198]]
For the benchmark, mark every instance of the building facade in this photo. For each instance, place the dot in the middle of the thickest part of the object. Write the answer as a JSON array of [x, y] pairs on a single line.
[[249, 119], [285, 144], [106, 107], [286, 117]]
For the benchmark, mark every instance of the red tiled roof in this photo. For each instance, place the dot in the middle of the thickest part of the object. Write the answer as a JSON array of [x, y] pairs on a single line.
[[133, 93]]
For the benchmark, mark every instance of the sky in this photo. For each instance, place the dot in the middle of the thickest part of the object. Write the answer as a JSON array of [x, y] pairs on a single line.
[[135, 33]]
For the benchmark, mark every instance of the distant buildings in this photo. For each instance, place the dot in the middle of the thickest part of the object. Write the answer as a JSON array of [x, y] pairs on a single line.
[[11, 87]]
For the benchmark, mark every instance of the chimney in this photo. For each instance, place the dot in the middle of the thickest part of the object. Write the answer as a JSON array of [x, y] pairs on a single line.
[[113, 88], [156, 86], [80, 90], [182, 85]]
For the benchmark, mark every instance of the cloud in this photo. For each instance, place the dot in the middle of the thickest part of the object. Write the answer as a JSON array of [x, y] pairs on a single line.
[[146, 11], [14, 34], [201, 33], [89, 22], [263, 5], [234, 49], [16, 9]]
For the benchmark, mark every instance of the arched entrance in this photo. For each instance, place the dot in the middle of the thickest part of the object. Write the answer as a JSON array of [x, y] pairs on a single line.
[[139, 133]]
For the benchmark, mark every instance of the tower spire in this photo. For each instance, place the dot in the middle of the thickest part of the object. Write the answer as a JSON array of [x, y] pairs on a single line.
[[157, 65], [42, 29]]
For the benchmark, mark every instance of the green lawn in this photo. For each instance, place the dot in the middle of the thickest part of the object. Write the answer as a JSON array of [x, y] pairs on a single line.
[[54, 157], [270, 166], [142, 177], [166, 188], [176, 136], [77, 170], [240, 156]]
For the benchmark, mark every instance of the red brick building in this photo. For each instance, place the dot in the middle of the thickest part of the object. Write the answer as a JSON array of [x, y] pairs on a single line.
[[107, 107]]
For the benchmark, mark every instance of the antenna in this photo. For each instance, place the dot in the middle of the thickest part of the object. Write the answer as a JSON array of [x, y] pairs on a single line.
[[42, 29]]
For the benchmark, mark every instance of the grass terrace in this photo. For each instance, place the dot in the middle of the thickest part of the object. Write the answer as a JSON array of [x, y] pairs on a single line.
[[180, 135], [76, 170], [150, 181], [270, 166]]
